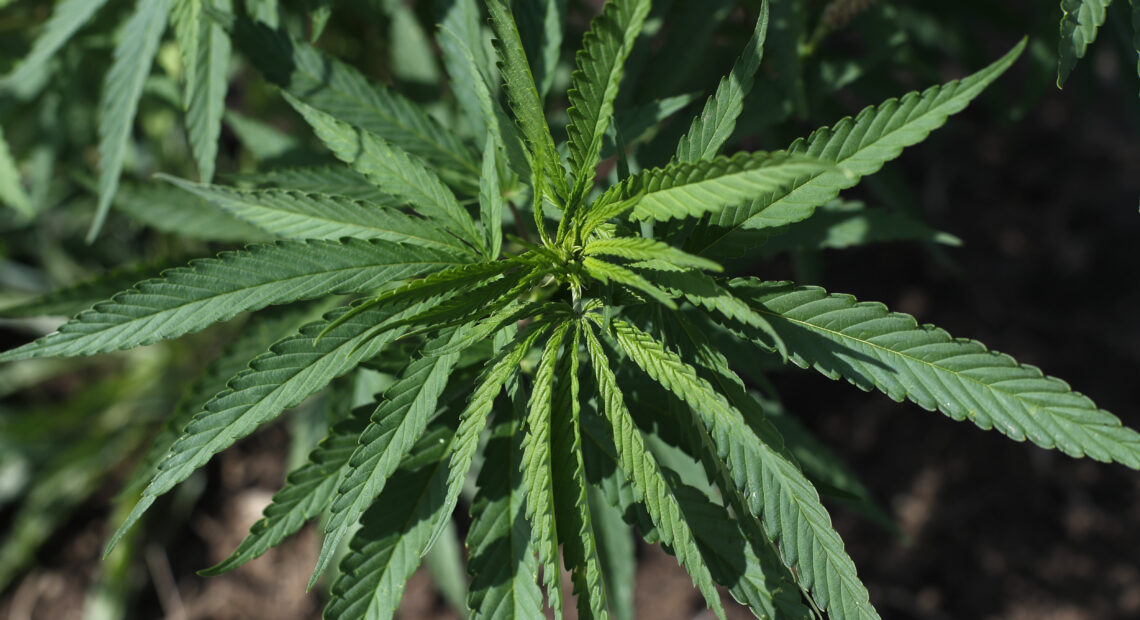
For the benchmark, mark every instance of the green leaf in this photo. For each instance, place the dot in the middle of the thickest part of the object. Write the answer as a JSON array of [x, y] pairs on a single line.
[[1079, 22], [69, 300], [32, 72], [12, 191], [858, 146], [205, 48], [393, 170], [397, 423], [473, 419], [501, 560], [187, 299], [874, 348], [305, 495], [594, 86], [690, 189], [524, 98], [538, 477], [175, 212], [541, 24], [335, 180], [775, 490], [642, 249], [712, 128], [255, 338], [342, 92], [293, 369], [395, 533], [122, 89], [264, 141], [295, 215], [491, 202], [606, 272], [412, 58], [575, 522], [649, 484]]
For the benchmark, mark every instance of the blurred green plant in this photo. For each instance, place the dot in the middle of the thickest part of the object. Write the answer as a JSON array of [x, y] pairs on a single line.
[[513, 216]]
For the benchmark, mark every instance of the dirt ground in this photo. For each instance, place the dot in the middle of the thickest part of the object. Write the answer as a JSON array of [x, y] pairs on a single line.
[[1047, 208]]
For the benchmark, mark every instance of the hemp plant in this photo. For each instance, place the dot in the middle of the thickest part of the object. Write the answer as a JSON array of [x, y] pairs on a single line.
[[561, 331]]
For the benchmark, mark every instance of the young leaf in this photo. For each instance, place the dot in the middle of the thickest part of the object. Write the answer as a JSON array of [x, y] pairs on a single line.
[[524, 98], [501, 560], [594, 86], [874, 348], [395, 533], [292, 370], [305, 495], [538, 477], [773, 487], [709, 131], [605, 272], [638, 464], [295, 215], [393, 170], [1079, 22], [342, 92], [397, 423], [690, 189], [122, 89], [858, 146], [205, 48], [12, 191], [187, 299], [67, 16]]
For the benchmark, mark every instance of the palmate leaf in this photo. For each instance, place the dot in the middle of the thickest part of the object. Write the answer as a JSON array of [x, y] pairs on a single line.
[[205, 48], [690, 189], [395, 533], [874, 348], [1079, 22], [712, 128], [188, 299], [67, 17], [524, 98], [616, 553], [340, 91], [296, 215], [293, 369], [774, 489], [858, 147], [538, 477], [501, 560], [594, 86], [645, 475], [305, 495], [394, 427], [607, 272], [575, 522], [122, 89], [491, 202], [393, 170]]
